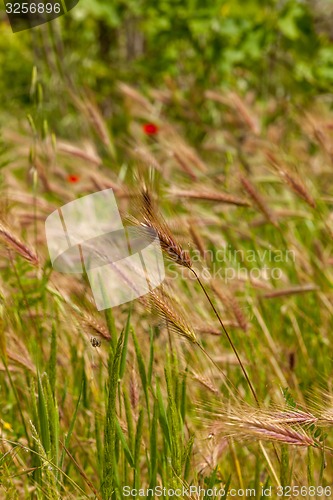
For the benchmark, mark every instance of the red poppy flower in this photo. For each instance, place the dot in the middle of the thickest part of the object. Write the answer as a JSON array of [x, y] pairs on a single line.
[[150, 128], [73, 178]]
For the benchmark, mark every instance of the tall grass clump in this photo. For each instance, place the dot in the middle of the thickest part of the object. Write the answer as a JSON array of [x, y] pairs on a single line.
[[221, 376]]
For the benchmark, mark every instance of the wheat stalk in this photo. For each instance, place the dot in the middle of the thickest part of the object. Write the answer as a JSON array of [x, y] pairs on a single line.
[[258, 199], [174, 250], [209, 195], [244, 422], [21, 248], [256, 428], [168, 243], [165, 306], [230, 300], [309, 287], [292, 180]]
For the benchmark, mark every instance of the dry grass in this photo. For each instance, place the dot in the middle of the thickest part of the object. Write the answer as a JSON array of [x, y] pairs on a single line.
[[282, 342], [13, 242]]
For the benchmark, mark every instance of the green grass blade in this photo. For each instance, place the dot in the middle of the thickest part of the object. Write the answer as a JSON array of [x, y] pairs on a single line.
[[71, 428], [142, 370], [109, 465], [125, 344], [124, 444], [43, 416], [52, 365], [138, 438]]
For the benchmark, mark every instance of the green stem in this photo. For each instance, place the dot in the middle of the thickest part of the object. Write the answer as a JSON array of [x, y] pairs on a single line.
[[228, 337]]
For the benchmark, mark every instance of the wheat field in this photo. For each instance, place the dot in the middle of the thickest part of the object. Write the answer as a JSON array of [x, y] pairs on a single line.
[[215, 384]]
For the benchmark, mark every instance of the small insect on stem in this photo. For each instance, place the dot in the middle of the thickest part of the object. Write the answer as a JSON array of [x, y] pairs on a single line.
[[95, 342]]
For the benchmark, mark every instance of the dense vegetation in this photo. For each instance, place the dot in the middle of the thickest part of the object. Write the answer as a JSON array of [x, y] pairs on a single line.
[[212, 123]]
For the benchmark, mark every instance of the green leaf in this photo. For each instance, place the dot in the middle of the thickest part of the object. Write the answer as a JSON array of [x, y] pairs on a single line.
[[126, 449]]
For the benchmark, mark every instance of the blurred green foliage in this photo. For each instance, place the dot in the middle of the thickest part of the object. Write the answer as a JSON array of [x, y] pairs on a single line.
[[271, 46]]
